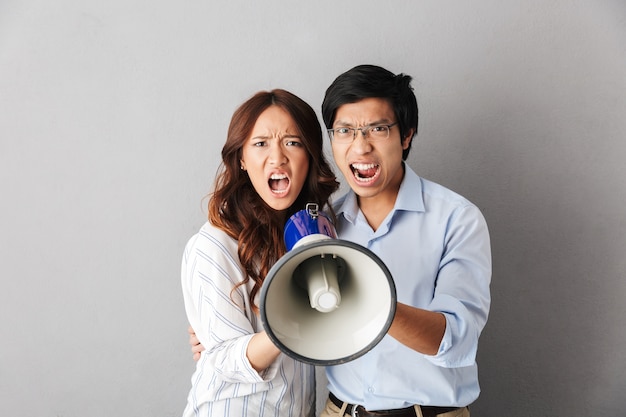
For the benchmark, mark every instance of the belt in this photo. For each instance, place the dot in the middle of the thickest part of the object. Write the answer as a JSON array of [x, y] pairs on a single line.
[[359, 411]]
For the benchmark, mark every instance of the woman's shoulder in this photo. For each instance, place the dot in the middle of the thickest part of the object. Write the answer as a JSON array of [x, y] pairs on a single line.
[[210, 236], [211, 255]]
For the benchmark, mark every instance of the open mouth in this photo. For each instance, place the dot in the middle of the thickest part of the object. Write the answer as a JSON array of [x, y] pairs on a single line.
[[279, 183], [364, 172]]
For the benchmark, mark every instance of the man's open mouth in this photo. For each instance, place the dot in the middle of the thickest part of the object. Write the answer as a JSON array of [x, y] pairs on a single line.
[[364, 172]]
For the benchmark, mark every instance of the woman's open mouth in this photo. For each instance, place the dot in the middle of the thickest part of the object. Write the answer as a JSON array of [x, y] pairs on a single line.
[[279, 183]]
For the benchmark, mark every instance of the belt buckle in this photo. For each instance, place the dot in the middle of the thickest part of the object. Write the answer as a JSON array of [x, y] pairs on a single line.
[[355, 411]]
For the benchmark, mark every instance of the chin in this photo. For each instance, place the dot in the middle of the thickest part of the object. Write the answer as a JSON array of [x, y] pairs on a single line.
[[280, 204]]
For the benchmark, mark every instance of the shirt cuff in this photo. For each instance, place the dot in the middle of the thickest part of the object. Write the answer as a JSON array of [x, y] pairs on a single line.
[[446, 340], [265, 375]]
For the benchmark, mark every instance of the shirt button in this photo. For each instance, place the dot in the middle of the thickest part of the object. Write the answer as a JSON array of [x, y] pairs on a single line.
[[370, 390]]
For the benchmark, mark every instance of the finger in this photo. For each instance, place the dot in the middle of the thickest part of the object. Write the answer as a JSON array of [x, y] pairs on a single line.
[[197, 348], [193, 340]]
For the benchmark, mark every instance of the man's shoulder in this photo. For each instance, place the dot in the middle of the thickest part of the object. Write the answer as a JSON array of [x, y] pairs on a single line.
[[438, 191]]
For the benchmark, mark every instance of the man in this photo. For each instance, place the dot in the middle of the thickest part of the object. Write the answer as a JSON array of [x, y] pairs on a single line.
[[434, 242]]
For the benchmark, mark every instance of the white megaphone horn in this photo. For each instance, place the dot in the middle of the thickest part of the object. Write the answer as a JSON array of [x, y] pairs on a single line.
[[326, 301]]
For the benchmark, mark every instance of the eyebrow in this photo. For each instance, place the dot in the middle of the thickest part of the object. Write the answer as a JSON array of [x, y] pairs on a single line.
[[382, 121], [288, 135]]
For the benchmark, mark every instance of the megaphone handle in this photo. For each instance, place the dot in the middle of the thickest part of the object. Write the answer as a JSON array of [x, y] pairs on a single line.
[[320, 280]]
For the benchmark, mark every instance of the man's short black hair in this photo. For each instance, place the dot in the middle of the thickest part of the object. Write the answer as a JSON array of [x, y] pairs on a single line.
[[371, 81]]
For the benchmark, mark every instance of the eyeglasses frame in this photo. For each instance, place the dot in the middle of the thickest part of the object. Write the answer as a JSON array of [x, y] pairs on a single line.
[[364, 131]]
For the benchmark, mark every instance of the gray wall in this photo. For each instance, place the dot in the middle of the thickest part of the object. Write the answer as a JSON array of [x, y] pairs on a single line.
[[112, 115]]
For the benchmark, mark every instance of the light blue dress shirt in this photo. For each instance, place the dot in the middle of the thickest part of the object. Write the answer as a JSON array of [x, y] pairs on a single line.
[[436, 246]]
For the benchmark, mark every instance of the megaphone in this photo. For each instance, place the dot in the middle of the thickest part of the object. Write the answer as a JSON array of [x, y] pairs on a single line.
[[327, 301]]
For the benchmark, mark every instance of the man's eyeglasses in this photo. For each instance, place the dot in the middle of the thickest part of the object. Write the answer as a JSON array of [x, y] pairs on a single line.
[[371, 133]]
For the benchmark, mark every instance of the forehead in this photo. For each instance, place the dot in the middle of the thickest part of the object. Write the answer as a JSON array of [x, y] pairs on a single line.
[[274, 120], [366, 111]]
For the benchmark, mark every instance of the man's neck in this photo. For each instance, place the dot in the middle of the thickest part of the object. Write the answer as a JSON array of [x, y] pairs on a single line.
[[377, 208]]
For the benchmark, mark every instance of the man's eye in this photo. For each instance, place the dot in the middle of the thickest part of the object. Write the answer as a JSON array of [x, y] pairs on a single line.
[[379, 129], [342, 130]]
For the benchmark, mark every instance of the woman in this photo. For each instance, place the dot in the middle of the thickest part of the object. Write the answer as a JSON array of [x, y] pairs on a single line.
[[272, 165]]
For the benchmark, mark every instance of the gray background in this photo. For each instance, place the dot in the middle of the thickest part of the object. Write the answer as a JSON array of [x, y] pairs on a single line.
[[112, 116]]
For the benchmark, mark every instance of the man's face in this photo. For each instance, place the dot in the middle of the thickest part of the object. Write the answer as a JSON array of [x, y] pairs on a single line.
[[373, 169]]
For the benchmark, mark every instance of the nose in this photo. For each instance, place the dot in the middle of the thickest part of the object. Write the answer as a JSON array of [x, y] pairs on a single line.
[[364, 130], [360, 144], [277, 155]]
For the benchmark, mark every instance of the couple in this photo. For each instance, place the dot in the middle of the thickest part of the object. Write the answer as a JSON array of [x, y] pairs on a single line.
[[434, 242]]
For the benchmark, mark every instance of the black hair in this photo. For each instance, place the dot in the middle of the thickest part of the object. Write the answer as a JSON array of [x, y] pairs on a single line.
[[371, 81]]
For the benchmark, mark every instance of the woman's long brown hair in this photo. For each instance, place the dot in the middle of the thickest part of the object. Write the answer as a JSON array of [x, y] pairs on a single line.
[[235, 206]]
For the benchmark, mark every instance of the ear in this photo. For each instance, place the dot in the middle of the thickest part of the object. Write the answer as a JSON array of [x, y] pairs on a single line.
[[243, 165], [406, 141]]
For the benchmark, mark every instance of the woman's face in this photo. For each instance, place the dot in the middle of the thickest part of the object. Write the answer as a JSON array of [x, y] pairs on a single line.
[[275, 158]]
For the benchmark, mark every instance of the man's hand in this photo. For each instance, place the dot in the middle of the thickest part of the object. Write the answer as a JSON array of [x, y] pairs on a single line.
[[196, 346]]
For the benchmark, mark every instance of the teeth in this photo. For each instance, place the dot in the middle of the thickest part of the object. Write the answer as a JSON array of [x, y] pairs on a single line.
[[363, 166], [364, 179], [358, 168], [278, 177]]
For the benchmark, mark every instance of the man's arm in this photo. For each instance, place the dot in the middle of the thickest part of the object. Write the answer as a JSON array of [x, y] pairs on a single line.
[[419, 329], [196, 346]]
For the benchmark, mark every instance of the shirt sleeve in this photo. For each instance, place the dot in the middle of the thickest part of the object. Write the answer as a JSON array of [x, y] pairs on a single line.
[[462, 287], [221, 317]]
